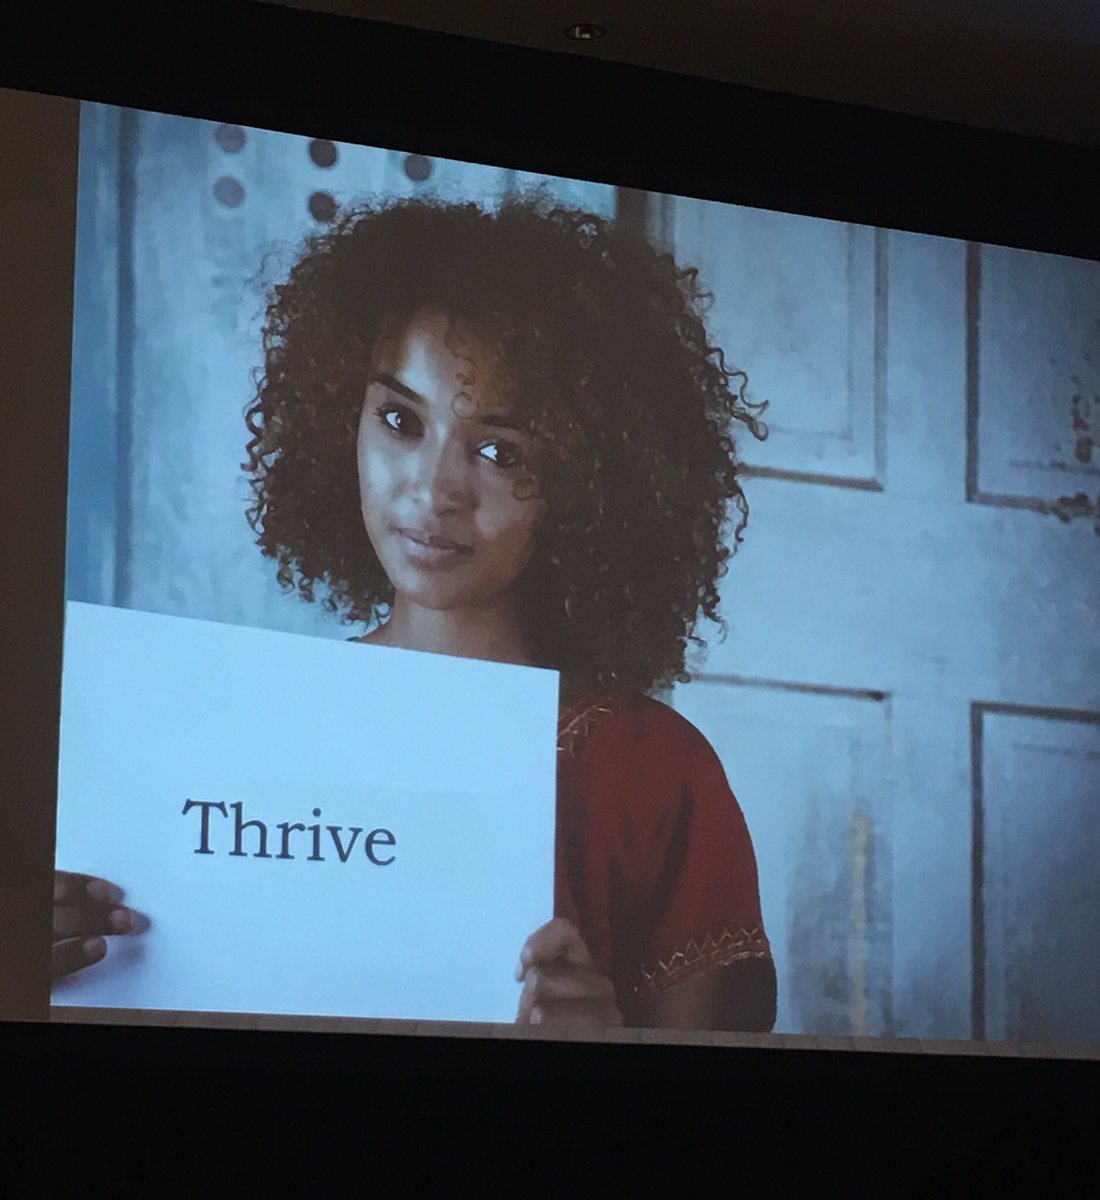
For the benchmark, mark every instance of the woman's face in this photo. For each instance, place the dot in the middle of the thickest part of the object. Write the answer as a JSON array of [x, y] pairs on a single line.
[[447, 496]]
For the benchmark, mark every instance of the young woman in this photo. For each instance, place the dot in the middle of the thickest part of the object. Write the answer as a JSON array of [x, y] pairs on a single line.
[[506, 435]]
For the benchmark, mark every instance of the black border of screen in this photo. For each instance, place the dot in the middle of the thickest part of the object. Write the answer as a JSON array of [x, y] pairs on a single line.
[[275, 67], [267, 66]]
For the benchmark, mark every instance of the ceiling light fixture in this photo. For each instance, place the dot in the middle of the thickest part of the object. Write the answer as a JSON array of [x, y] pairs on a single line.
[[585, 32]]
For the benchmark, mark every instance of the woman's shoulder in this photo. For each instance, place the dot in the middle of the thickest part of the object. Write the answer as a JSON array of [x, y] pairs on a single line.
[[638, 727], [638, 767]]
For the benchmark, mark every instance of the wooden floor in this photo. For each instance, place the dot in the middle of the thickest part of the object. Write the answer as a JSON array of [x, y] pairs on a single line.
[[360, 1025]]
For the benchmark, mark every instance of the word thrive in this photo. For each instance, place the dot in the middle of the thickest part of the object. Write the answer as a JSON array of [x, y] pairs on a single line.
[[376, 838]]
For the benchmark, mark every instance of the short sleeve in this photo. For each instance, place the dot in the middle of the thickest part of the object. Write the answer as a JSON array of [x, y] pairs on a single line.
[[657, 865]]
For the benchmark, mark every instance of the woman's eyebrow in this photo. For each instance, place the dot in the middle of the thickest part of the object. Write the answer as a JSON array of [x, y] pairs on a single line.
[[500, 421], [395, 385]]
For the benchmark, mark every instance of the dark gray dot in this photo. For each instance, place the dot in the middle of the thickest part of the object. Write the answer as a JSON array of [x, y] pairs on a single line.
[[231, 138], [323, 152], [322, 207], [229, 191], [418, 167]]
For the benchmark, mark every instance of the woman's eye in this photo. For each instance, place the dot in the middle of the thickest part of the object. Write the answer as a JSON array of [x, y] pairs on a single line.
[[399, 420], [501, 454]]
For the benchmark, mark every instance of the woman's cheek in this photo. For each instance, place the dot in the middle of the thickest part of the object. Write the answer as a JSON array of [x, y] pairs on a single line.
[[522, 523], [376, 474]]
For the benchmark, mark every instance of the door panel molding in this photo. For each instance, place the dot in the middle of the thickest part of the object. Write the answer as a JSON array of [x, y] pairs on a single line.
[[1021, 961]]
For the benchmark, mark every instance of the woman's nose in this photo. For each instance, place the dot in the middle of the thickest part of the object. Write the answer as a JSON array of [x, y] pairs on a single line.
[[444, 482]]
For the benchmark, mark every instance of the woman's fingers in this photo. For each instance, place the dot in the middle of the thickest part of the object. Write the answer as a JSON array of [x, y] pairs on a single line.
[[561, 987], [71, 921], [557, 939], [546, 986], [85, 908], [562, 981], [71, 955], [69, 887], [85, 905], [576, 1014]]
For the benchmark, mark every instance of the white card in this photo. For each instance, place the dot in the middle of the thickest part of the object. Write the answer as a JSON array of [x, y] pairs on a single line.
[[445, 766]]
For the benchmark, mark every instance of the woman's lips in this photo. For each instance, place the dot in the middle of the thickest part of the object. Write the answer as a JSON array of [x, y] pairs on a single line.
[[430, 549]]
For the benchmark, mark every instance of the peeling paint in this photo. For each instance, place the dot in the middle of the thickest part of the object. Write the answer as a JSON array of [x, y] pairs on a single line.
[[1066, 508], [1069, 508]]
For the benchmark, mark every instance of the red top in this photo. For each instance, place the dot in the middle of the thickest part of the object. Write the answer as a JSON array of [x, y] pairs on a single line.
[[655, 865]]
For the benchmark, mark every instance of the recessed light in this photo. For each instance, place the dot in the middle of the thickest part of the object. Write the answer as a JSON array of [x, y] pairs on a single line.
[[585, 32]]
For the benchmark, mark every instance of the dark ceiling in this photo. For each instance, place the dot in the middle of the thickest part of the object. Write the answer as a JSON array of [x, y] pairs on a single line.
[[1026, 66]]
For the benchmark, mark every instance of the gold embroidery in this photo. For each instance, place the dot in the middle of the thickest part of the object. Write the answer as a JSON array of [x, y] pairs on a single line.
[[697, 957], [575, 731]]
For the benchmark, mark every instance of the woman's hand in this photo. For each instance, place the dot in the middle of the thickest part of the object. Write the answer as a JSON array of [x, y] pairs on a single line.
[[84, 909], [560, 985]]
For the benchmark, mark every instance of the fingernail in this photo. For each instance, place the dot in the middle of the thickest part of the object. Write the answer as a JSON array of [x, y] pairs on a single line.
[[536, 1016], [122, 919], [98, 890], [519, 969], [94, 949]]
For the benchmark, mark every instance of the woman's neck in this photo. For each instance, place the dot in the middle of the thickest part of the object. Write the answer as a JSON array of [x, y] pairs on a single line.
[[489, 631]]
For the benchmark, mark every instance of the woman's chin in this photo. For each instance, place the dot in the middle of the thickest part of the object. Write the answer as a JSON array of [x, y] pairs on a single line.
[[434, 596]]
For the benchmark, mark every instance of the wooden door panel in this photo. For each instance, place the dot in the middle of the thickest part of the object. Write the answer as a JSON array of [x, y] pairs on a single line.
[[1034, 395], [800, 305], [809, 768], [916, 594], [1037, 829], [844, 589]]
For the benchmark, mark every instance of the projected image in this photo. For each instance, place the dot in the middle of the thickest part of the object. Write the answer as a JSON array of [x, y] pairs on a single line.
[[406, 633]]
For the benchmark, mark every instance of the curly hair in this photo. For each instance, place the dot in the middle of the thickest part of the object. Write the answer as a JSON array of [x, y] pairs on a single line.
[[630, 406]]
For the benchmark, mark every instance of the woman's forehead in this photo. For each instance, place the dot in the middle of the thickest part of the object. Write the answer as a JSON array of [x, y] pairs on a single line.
[[433, 351]]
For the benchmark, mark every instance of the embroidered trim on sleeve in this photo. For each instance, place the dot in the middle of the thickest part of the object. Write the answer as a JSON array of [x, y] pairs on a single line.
[[577, 725], [698, 957]]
